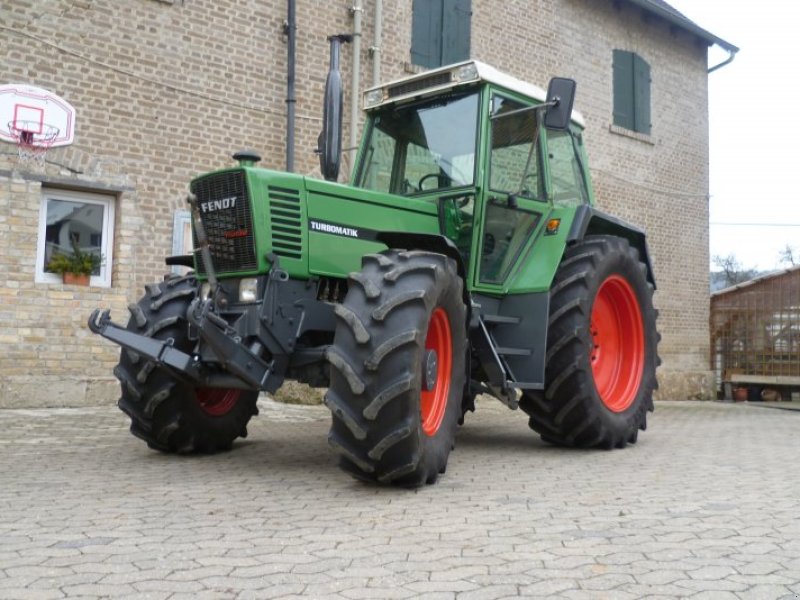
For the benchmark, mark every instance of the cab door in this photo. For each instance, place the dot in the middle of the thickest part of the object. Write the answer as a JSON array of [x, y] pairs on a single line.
[[514, 201]]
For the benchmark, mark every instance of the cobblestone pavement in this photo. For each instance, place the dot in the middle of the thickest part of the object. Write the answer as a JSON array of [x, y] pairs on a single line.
[[706, 505]]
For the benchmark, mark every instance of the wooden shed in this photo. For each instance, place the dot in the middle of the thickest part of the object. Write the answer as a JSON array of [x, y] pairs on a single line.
[[755, 338]]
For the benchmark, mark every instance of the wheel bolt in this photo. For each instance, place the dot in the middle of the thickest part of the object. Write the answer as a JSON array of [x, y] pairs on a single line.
[[430, 370]]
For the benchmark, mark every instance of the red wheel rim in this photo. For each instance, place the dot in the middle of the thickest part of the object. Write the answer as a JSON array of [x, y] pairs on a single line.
[[433, 403], [217, 401], [617, 353]]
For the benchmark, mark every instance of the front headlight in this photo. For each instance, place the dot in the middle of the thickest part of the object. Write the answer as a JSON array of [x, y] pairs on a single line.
[[248, 290]]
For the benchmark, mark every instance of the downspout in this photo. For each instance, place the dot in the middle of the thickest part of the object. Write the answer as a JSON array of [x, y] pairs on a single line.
[[375, 50], [731, 55], [357, 10], [290, 30]]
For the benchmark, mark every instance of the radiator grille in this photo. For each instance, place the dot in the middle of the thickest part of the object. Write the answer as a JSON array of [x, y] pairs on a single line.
[[224, 206], [286, 222]]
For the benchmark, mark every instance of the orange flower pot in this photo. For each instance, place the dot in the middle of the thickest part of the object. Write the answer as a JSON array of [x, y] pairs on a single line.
[[76, 279]]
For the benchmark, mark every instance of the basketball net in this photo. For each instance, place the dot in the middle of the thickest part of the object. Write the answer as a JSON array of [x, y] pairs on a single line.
[[33, 139]]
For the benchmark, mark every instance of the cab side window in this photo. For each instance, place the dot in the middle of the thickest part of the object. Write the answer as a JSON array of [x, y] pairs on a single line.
[[514, 159], [568, 187]]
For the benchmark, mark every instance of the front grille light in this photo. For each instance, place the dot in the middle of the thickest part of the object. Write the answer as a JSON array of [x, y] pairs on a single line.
[[248, 290]]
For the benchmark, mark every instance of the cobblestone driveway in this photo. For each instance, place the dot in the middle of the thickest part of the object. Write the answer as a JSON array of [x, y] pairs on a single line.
[[706, 505]]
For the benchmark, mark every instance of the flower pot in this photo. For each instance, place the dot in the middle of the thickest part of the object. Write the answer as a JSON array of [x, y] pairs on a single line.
[[76, 279], [740, 394]]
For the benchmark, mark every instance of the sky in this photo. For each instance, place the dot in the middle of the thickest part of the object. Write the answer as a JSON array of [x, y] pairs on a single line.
[[754, 128]]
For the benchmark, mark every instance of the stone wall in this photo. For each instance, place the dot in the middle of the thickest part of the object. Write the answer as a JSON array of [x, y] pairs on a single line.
[[165, 90]]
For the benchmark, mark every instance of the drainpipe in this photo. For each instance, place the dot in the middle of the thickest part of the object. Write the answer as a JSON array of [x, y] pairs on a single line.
[[375, 51], [290, 30], [357, 11], [731, 55]]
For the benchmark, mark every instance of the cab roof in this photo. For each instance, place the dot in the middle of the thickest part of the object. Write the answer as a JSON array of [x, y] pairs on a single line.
[[434, 81]]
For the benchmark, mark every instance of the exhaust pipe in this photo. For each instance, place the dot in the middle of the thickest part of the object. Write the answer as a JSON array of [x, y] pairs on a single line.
[[330, 140]]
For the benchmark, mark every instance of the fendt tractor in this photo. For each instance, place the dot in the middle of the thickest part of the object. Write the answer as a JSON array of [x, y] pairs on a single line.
[[466, 257]]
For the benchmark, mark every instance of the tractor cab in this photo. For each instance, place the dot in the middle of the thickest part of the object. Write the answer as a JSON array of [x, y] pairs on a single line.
[[472, 140]]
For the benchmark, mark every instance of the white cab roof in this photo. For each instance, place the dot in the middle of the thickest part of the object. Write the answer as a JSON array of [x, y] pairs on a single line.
[[486, 73]]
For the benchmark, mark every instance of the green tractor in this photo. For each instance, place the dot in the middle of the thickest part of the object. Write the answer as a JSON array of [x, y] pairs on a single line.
[[465, 258]]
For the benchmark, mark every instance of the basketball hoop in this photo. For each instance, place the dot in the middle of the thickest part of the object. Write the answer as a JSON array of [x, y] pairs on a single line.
[[33, 139]]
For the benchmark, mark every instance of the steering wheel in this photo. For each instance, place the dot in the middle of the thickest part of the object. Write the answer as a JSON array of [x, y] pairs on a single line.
[[425, 178]]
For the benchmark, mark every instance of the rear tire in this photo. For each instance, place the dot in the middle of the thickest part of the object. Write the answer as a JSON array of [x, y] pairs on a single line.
[[398, 373], [601, 360], [165, 412]]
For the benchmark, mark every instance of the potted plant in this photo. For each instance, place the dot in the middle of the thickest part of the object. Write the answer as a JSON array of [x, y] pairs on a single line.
[[75, 267]]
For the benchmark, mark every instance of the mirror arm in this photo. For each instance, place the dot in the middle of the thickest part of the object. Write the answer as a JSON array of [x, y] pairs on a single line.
[[555, 102]]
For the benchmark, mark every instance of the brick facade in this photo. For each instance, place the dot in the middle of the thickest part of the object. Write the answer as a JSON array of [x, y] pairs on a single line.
[[167, 89]]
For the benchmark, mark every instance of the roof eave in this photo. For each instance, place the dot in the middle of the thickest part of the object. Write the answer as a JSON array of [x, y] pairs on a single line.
[[685, 24]]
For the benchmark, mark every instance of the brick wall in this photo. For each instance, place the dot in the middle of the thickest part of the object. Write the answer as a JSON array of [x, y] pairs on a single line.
[[165, 90]]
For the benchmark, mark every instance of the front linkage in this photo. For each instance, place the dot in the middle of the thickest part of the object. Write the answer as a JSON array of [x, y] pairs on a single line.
[[251, 348]]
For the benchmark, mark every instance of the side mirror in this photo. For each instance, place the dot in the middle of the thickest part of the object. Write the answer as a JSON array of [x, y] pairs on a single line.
[[329, 144], [560, 96]]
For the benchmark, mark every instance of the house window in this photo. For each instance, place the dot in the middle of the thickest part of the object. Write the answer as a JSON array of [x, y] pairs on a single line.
[[631, 92], [182, 238], [440, 31], [70, 220]]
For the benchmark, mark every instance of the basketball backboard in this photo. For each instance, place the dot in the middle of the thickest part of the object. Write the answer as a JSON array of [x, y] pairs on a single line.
[[36, 113]]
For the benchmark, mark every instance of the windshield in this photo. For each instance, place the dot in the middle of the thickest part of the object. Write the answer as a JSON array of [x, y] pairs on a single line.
[[422, 147]]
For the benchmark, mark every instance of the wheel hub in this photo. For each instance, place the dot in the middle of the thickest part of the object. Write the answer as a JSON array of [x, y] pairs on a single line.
[[430, 370], [217, 401], [617, 354], [435, 382]]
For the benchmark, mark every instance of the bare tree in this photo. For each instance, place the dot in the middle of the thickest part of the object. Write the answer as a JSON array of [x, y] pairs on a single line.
[[789, 256], [733, 270]]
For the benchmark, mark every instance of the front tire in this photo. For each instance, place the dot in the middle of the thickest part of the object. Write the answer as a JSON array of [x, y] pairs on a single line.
[[600, 370], [398, 373], [167, 413]]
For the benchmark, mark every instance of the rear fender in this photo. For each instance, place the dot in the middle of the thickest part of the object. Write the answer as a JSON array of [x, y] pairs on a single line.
[[590, 221]]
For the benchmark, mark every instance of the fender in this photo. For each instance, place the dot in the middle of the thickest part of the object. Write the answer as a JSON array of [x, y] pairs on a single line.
[[590, 221], [432, 243]]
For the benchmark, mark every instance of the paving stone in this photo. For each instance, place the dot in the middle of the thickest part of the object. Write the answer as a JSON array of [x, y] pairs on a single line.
[[547, 587], [453, 586], [275, 591], [661, 577], [489, 592], [593, 595], [767, 592], [711, 585], [712, 573], [512, 517], [97, 590], [387, 593], [31, 594], [458, 573], [606, 582]]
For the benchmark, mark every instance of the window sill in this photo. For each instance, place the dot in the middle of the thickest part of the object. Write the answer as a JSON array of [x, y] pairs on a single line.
[[51, 279], [635, 135]]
